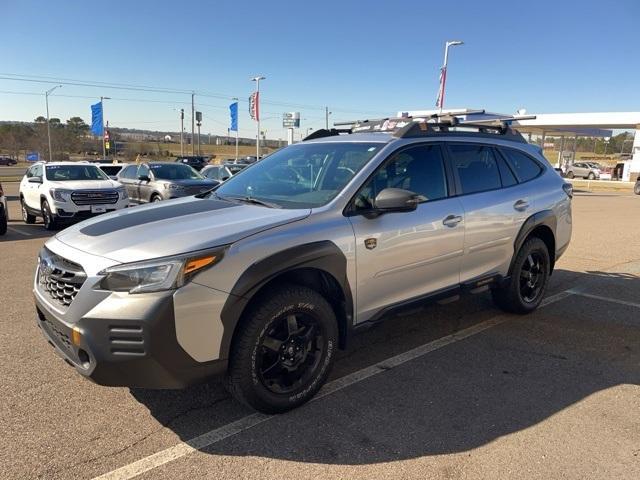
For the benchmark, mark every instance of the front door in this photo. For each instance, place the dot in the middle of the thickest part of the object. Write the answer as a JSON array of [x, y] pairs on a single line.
[[405, 255]]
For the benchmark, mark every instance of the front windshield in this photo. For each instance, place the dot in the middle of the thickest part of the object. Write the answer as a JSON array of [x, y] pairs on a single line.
[[174, 171], [63, 173], [305, 175]]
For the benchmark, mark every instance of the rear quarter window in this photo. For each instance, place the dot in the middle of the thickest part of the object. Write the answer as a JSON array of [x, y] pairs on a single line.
[[525, 167]]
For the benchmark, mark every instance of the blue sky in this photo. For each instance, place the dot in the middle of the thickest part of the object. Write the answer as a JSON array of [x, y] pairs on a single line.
[[362, 59]]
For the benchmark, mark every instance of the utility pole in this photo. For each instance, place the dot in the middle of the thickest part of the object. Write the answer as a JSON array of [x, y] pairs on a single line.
[[46, 98], [326, 118], [257, 80], [193, 119]]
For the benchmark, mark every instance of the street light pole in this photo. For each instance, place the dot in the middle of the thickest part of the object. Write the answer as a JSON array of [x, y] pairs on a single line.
[[46, 98], [104, 147], [193, 129], [443, 71], [257, 80], [182, 132]]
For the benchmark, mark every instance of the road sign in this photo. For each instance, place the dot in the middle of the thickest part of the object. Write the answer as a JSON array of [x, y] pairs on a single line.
[[291, 120], [33, 157]]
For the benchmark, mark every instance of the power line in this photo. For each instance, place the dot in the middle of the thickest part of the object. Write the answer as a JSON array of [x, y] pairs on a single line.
[[151, 89]]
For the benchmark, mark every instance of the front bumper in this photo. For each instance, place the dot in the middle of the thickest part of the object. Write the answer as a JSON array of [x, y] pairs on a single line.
[[69, 212], [133, 352]]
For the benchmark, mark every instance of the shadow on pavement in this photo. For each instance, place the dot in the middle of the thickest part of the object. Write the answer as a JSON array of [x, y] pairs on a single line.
[[465, 395], [18, 231]]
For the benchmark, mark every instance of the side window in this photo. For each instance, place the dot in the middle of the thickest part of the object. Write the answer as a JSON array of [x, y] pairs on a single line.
[[419, 169], [507, 176], [524, 166], [30, 172], [129, 171], [37, 171], [143, 170], [476, 167]]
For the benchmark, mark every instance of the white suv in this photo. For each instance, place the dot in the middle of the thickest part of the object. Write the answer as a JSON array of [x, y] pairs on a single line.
[[64, 192]]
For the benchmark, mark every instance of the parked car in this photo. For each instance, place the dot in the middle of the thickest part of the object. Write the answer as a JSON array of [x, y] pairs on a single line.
[[234, 168], [8, 161], [4, 212], [65, 192], [112, 169], [194, 161], [155, 181], [216, 172], [587, 170], [264, 278]]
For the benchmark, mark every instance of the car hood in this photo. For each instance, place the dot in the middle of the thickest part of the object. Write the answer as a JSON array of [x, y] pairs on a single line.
[[173, 227], [84, 184]]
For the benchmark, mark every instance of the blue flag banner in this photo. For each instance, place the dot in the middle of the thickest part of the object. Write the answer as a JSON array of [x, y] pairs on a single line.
[[97, 128], [233, 111]]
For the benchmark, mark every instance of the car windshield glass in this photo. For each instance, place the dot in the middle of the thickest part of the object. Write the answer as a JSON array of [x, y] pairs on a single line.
[[61, 173], [174, 171], [306, 175]]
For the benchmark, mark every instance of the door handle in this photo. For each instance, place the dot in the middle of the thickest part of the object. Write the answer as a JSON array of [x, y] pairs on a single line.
[[452, 220], [521, 205]]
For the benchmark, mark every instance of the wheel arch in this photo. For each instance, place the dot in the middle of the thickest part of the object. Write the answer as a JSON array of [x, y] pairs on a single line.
[[542, 225], [320, 266]]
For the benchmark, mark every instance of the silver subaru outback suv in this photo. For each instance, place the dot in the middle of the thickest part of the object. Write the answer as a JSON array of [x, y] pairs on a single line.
[[264, 277]]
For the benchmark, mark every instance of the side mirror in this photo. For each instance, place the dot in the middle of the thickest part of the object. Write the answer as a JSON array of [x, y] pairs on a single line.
[[144, 178], [35, 180], [396, 200]]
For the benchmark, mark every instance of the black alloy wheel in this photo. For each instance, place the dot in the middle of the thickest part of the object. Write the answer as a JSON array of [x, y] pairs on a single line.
[[290, 352], [532, 277]]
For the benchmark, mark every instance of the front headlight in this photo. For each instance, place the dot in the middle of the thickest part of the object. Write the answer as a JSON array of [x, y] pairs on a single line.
[[157, 275], [60, 194], [173, 186], [122, 192]]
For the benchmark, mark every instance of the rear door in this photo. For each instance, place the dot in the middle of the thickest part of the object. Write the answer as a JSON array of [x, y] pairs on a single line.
[[145, 188], [495, 207], [129, 179], [405, 255]]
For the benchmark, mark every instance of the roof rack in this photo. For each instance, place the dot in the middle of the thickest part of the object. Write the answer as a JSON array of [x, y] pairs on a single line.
[[434, 124]]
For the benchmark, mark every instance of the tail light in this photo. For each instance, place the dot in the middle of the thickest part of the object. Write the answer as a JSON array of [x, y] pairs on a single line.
[[568, 189]]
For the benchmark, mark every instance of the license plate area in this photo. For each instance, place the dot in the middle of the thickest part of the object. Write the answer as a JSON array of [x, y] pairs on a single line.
[[98, 209]]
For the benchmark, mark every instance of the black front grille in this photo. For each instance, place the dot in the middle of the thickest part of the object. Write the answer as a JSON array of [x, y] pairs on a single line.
[[57, 334], [95, 197], [61, 279]]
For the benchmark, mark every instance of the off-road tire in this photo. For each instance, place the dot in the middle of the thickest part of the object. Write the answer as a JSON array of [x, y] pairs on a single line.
[[26, 216], [155, 198], [244, 379], [570, 174], [636, 188], [510, 297], [3, 221]]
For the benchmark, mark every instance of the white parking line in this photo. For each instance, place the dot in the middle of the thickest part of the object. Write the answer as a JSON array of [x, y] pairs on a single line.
[[207, 439], [606, 299], [19, 232]]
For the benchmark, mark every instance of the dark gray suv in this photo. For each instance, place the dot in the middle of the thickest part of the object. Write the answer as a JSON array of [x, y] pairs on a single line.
[[155, 181]]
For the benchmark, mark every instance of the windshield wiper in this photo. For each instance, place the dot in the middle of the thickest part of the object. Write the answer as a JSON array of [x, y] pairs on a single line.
[[254, 201]]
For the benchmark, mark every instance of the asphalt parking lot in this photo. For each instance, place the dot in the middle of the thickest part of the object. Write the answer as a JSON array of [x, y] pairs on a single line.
[[449, 391]]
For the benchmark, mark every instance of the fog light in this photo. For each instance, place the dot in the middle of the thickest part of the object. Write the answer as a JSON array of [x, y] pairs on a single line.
[[76, 336]]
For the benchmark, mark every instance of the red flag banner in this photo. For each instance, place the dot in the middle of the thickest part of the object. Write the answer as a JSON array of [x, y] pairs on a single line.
[[254, 106], [443, 79]]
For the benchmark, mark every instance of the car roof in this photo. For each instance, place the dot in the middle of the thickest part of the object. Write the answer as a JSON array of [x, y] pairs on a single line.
[[376, 137]]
